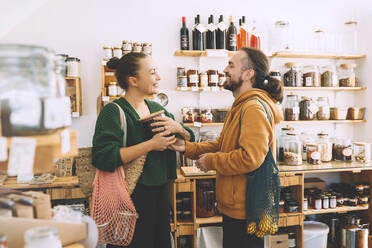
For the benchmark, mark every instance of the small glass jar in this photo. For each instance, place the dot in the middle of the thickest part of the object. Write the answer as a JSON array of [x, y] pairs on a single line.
[[281, 141], [126, 47], [346, 75], [276, 75], [329, 76], [281, 37], [221, 79], [182, 81], [305, 138], [325, 202], [342, 150], [350, 37], [147, 48], [317, 202], [311, 76], [319, 41], [325, 146], [363, 200], [137, 47], [361, 152], [193, 78], [292, 150], [291, 108], [323, 108], [292, 76], [117, 52], [42, 237], [113, 89], [73, 67], [206, 115], [107, 53], [308, 109], [188, 115], [203, 80], [313, 154], [333, 202], [212, 78]]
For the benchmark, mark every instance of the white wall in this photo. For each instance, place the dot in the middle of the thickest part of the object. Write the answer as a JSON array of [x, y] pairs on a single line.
[[80, 28]]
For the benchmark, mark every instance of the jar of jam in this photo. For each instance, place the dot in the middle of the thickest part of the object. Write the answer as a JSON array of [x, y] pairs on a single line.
[[363, 200], [206, 115], [188, 115], [213, 78], [203, 80], [308, 109], [291, 108], [311, 76], [342, 150], [361, 152], [313, 154], [193, 78], [292, 76], [323, 108], [197, 114], [205, 198]]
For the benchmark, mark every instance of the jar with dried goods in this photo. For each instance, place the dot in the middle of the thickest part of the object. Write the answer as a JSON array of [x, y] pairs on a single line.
[[126, 46], [338, 113], [313, 154], [329, 76], [292, 150], [137, 47], [361, 152], [281, 141], [346, 75], [308, 109], [147, 48], [181, 71], [193, 78], [311, 76], [342, 150], [355, 113], [291, 108], [117, 52], [323, 108], [326, 147], [306, 138], [292, 75]]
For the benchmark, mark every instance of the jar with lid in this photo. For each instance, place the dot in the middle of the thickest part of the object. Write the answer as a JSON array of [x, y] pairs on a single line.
[[203, 80], [329, 76], [306, 138], [193, 78], [291, 108], [311, 76], [346, 75], [292, 239], [147, 48], [182, 81], [361, 152], [363, 200], [333, 201], [281, 141], [276, 75], [313, 154], [197, 114], [188, 115], [281, 37], [73, 67], [107, 53], [137, 47], [126, 47], [221, 79], [113, 89], [181, 71], [317, 202], [308, 108], [205, 198], [350, 37], [206, 115], [292, 75], [342, 150], [42, 237], [292, 150], [319, 41], [323, 108], [325, 201], [212, 78], [325, 146], [117, 52]]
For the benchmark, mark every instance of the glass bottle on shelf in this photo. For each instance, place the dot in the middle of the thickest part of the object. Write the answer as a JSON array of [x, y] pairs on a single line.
[[311, 76], [326, 147], [308, 109], [350, 37], [205, 198], [292, 76], [319, 41], [292, 150], [342, 150], [281, 142], [346, 75], [306, 138], [329, 76], [291, 108], [323, 108], [361, 152]]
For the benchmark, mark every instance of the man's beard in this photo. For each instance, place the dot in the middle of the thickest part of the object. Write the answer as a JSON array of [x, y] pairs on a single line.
[[233, 85]]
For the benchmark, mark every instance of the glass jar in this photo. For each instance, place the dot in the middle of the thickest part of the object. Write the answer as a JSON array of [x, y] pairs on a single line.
[[311, 76], [350, 37], [317, 202], [206, 115], [276, 75], [137, 47], [325, 201], [221, 79], [188, 115], [205, 198], [117, 52], [281, 141], [113, 89], [181, 71], [73, 67], [306, 204], [107, 53], [325, 146], [332, 201], [308, 109], [313, 154], [291, 108], [126, 47], [42, 237], [319, 41], [323, 112], [292, 150], [346, 75], [193, 78], [147, 48], [342, 150], [361, 152], [363, 200], [305, 138], [182, 81], [292, 76], [203, 79], [32, 90], [329, 76], [281, 37], [292, 239], [212, 78]]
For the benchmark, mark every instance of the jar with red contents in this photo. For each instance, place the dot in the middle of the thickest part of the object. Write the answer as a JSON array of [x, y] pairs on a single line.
[[205, 198]]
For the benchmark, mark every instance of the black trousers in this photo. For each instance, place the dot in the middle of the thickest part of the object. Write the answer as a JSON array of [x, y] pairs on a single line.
[[152, 227], [235, 235]]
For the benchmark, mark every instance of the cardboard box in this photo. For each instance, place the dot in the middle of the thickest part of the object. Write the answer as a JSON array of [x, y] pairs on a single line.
[[42, 205], [314, 182], [24, 211], [14, 229]]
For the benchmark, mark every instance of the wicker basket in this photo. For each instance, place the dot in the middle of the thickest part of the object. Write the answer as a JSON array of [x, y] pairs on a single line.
[[85, 170]]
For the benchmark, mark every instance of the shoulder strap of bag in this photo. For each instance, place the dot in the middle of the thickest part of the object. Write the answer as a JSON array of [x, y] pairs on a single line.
[[123, 121]]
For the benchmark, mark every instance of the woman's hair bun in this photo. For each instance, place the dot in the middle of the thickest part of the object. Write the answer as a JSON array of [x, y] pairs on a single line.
[[113, 63]]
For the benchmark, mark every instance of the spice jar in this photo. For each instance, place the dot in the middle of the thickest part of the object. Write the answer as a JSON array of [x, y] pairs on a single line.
[[182, 81], [311, 76], [193, 78], [212, 78], [342, 150], [107, 53], [291, 108], [203, 79], [292, 150], [126, 47], [147, 48], [346, 75], [313, 154], [117, 52], [329, 76], [206, 115], [276, 75], [137, 47], [305, 138], [113, 89], [188, 115], [332, 201], [361, 152], [325, 147], [325, 201], [281, 141], [317, 202], [323, 108], [292, 76], [308, 108]]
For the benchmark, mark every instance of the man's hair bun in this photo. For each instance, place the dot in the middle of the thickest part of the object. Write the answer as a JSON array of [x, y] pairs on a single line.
[[113, 63]]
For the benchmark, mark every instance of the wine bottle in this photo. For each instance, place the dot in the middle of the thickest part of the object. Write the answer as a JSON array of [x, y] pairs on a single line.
[[231, 36], [221, 34], [244, 34], [184, 36], [211, 34], [255, 40], [198, 35]]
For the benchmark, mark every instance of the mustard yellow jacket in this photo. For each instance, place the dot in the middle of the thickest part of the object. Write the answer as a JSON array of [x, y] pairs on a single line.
[[233, 155]]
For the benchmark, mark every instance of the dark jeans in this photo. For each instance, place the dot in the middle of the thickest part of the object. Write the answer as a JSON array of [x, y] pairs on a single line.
[[235, 235], [152, 226]]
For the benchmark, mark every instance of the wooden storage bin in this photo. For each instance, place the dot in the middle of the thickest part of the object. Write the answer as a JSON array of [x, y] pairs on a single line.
[[293, 180], [184, 187], [185, 229], [65, 193], [277, 241]]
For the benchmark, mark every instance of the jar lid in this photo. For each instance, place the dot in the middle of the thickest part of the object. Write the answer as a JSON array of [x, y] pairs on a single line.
[[312, 145], [318, 31], [291, 134], [291, 64], [117, 47], [281, 23], [322, 134], [182, 76], [348, 66], [107, 47], [125, 41], [72, 59], [360, 143], [309, 67], [113, 83], [322, 98], [288, 128], [351, 22]]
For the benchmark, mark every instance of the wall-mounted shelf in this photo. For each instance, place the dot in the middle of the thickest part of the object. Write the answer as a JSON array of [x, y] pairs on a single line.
[[210, 220], [344, 209], [325, 121], [199, 124], [201, 89], [325, 88]]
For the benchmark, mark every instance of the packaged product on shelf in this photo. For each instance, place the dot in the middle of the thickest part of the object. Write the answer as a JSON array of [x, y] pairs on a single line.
[[323, 108], [137, 47], [338, 113], [326, 147], [205, 198], [281, 142], [188, 115], [203, 79], [193, 78], [292, 150], [329, 76], [117, 52], [182, 81], [292, 76], [361, 152], [113, 89], [313, 154], [181, 71], [342, 150], [311, 76], [308, 109], [212, 78], [206, 115], [107, 53], [291, 108], [73, 67], [354, 113]]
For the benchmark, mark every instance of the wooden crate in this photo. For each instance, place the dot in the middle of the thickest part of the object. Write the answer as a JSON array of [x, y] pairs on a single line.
[[65, 193]]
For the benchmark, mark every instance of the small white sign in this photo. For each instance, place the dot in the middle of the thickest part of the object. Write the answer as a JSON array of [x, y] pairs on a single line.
[[106, 98], [201, 28], [194, 88], [75, 114], [21, 157], [65, 142], [3, 149], [197, 124]]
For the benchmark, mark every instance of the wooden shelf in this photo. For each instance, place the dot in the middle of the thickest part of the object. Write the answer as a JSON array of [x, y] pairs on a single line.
[[213, 124], [72, 78], [334, 166], [325, 88], [197, 53], [335, 210], [12, 183], [200, 89], [191, 53], [210, 220], [326, 121]]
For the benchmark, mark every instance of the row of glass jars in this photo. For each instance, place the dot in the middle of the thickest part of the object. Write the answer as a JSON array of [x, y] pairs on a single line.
[[127, 47], [194, 78], [292, 149], [294, 75], [306, 109]]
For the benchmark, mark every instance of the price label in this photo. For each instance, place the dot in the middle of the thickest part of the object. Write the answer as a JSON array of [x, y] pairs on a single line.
[[105, 98], [3, 149], [65, 142], [197, 124]]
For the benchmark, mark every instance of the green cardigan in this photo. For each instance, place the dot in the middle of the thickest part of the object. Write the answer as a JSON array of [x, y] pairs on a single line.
[[160, 166]]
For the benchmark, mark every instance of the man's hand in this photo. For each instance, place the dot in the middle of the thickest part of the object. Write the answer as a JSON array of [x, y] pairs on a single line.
[[178, 146], [200, 163]]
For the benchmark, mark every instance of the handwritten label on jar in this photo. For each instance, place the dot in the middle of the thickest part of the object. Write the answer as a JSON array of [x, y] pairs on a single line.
[[3, 149], [315, 155], [313, 108], [309, 81], [347, 152]]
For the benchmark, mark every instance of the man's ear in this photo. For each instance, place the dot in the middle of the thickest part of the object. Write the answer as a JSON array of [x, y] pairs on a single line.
[[132, 81], [248, 75]]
